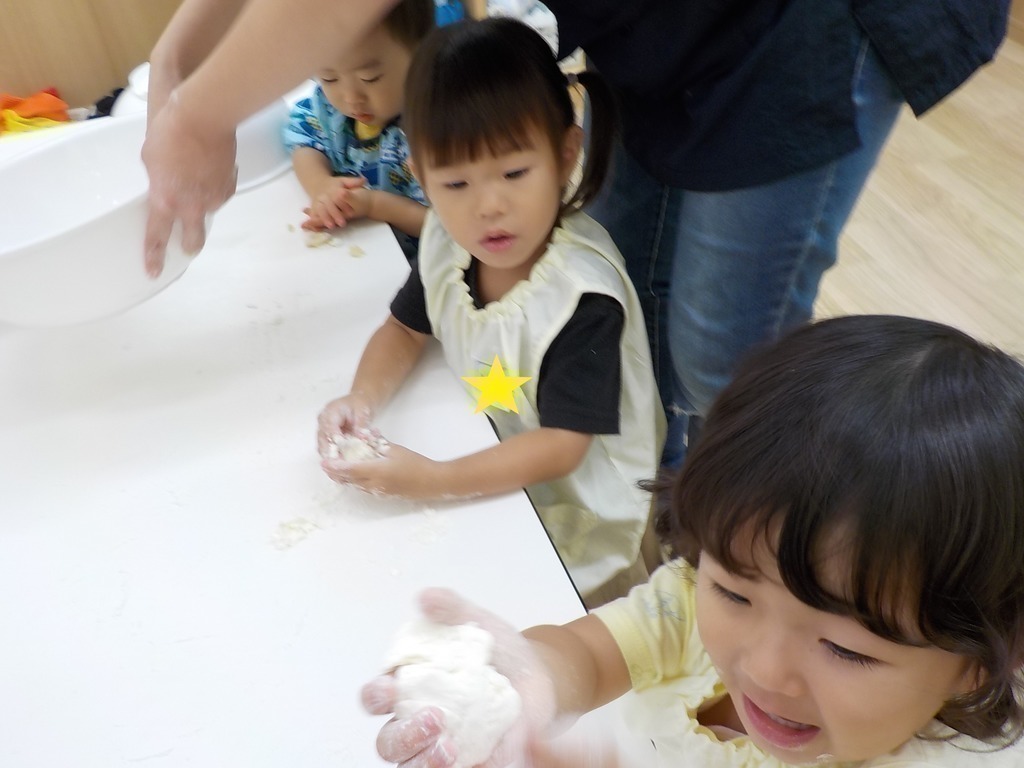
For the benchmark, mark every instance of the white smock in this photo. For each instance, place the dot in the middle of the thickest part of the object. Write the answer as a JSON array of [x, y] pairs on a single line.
[[596, 515]]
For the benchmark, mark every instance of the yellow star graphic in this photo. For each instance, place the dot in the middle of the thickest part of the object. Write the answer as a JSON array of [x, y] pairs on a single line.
[[496, 388]]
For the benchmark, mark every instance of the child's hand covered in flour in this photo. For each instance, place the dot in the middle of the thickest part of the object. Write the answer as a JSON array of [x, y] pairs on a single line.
[[429, 737], [345, 415], [396, 471]]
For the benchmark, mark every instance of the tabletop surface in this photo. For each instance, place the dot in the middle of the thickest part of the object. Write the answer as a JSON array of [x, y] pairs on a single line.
[[180, 584]]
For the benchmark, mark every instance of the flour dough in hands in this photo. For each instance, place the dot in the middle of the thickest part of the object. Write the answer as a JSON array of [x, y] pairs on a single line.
[[448, 667], [361, 445]]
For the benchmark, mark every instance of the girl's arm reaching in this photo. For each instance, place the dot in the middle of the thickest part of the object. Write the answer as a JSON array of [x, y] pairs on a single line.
[[537, 456], [386, 362], [557, 671], [583, 661]]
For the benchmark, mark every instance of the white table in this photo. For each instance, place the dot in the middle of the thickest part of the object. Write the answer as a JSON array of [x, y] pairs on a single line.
[[180, 584]]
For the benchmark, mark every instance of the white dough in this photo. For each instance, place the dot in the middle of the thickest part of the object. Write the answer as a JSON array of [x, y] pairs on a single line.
[[353, 447], [449, 667]]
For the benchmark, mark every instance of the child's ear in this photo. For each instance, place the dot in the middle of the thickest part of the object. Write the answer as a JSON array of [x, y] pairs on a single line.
[[572, 143], [973, 677]]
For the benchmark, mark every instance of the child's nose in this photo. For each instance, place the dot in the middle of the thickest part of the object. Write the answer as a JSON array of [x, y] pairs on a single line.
[[773, 663], [354, 95], [491, 201]]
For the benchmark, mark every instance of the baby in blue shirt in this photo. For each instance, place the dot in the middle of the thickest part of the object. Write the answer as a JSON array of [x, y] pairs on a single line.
[[348, 149]]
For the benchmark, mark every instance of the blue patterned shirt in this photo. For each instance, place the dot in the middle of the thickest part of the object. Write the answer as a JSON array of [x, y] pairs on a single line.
[[383, 160]]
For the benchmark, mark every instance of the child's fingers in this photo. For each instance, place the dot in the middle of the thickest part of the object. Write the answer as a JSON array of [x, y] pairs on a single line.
[[448, 607], [332, 212], [416, 740], [364, 475], [340, 471], [379, 696], [347, 208]]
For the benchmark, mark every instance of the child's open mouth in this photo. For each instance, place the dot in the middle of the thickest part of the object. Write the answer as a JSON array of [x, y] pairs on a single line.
[[788, 734]]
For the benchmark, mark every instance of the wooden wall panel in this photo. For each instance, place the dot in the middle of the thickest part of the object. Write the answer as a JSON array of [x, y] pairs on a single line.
[[84, 48], [1017, 21]]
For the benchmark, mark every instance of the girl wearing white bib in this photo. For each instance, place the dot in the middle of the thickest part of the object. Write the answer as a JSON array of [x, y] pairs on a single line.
[[530, 300]]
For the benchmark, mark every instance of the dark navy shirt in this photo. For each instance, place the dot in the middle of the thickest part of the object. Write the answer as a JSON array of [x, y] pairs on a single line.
[[724, 94]]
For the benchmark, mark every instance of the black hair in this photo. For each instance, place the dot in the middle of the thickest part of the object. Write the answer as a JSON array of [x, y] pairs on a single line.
[[410, 21], [479, 86], [902, 440]]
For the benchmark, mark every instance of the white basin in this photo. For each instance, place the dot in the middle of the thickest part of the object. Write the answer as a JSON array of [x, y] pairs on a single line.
[[73, 221], [261, 153], [71, 235]]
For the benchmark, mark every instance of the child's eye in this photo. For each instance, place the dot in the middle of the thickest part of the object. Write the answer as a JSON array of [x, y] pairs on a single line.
[[455, 185], [328, 80], [517, 174], [847, 655], [369, 80], [729, 595]]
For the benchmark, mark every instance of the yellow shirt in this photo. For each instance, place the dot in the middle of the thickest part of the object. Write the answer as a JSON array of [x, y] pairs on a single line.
[[673, 679]]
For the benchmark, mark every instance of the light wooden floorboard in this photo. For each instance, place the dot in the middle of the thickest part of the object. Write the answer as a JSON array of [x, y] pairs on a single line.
[[939, 229]]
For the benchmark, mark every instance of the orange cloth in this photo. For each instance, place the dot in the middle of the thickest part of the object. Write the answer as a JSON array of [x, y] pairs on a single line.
[[38, 110]]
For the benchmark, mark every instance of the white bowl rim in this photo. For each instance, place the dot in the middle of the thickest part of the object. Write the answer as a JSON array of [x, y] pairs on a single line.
[[16, 247]]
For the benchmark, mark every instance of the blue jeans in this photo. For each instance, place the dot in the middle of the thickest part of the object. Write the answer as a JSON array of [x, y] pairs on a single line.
[[719, 272]]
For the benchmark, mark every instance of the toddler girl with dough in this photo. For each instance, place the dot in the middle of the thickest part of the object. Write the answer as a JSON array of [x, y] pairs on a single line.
[[524, 291]]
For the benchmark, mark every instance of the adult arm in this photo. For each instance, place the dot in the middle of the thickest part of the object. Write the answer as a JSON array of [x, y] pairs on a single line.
[[271, 46], [192, 33]]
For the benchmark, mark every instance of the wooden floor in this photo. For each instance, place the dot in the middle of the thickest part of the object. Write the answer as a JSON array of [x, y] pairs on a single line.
[[939, 229]]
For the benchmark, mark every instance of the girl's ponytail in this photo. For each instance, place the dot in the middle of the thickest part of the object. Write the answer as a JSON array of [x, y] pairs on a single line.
[[603, 129]]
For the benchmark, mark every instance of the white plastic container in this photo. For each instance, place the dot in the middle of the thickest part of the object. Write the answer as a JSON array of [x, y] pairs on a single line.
[[73, 221]]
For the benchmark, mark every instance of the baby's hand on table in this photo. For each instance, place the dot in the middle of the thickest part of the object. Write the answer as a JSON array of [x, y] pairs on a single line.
[[356, 202], [420, 741], [332, 207], [397, 472]]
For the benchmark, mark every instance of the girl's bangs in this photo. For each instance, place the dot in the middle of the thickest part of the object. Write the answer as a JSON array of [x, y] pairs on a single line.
[[832, 559]]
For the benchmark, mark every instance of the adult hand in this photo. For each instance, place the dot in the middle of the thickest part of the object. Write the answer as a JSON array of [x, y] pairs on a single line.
[[344, 415], [399, 472], [192, 173], [420, 741]]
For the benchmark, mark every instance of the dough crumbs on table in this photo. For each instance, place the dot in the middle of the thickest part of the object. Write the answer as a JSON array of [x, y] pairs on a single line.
[[291, 532], [319, 239], [355, 251]]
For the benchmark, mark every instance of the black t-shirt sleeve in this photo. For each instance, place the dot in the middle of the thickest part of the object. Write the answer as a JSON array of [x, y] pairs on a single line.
[[581, 375], [410, 304]]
